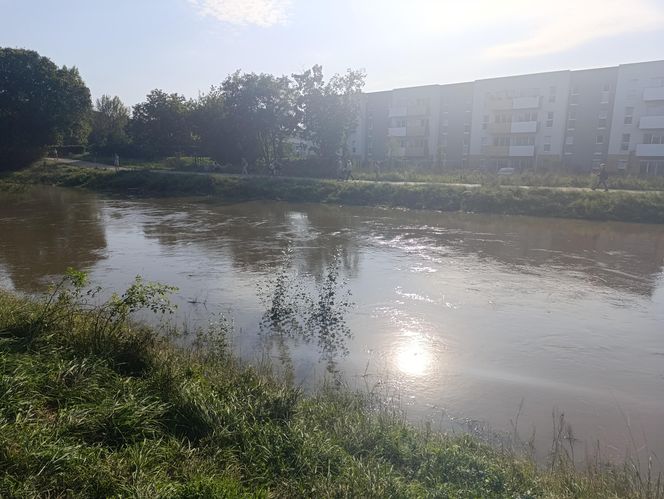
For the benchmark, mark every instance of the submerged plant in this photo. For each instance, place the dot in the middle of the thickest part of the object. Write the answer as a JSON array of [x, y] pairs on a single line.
[[299, 308]]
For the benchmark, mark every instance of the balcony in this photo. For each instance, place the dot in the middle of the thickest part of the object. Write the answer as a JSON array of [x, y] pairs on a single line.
[[417, 110], [522, 151], [396, 112], [524, 127], [500, 128], [526, 103], [416, 131], [650, 150], [653, 93], [499, 105], [651, 122], [496, 151], [416, 152], [397, 131]]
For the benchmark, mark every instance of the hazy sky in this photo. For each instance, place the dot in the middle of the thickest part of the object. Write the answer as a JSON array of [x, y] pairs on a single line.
[[128, 47]]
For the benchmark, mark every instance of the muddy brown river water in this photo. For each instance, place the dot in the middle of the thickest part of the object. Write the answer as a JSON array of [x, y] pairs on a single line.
[[457, 317]]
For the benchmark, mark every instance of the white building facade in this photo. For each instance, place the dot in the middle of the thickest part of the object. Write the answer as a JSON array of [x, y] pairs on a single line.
[[563, 120]]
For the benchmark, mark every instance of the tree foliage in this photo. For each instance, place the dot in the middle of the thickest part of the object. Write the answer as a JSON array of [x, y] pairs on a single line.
[[248, 116], [40, 105], [109, 125], [329, 109], [161, 126]]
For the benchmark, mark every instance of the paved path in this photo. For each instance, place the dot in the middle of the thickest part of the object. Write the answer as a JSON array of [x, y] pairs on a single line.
[[90, 164]]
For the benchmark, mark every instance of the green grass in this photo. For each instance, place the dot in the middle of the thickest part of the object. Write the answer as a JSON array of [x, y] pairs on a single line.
[[93, 405], [532, 179], [646, 207]]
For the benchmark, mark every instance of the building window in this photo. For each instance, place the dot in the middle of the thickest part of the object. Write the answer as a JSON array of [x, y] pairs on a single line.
[[549, 119], [629, 115], [569, 140], [547, 143], [573, 99], [600, 139], [575, 90], [370, 125], [602, 120], [624, 146], [485, 122], [484, 140], [606, 87], [571, 120], [622, 165], [466, 128]]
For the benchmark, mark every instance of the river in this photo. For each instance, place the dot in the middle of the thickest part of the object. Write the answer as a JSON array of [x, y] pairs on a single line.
[[456, 317]]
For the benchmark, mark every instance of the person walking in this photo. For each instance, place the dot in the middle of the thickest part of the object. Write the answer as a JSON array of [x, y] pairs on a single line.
[[602, 178], [116, 161], [348, 172], [245, 167]]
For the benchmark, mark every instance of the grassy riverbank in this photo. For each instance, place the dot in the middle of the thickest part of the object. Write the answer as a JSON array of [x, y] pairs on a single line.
[[92, 405], [620, 206]]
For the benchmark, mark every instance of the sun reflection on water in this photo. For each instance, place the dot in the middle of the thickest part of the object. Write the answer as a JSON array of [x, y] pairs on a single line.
[[413, 354]]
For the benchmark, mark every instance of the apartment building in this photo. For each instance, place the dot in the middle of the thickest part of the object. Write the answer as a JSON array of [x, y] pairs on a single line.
[[589, 114], [518, 122], [637, 128], [414, 121], [456, 117], [571, 120]]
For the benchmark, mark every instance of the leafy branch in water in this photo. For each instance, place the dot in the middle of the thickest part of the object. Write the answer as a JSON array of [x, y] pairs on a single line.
[[298, 308]]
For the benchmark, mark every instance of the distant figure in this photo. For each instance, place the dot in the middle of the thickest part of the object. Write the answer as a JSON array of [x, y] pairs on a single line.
[[602, 178], [348, 171], [245, 167], [340, 168], [116, 161], [274, 168], [376, 167], [55, 153]]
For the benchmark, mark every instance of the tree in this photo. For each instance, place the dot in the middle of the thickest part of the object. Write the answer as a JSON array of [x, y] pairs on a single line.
[[109, 123], [40, 105], [249, 115], [161, 126], [328, 111]]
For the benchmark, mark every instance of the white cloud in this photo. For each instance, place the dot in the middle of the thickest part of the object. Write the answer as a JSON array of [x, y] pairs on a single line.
[[572, 23], [510, 28], [262, 13]]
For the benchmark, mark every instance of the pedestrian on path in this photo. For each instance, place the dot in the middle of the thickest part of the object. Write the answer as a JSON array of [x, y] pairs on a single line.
[[602, 178], [116, 161]]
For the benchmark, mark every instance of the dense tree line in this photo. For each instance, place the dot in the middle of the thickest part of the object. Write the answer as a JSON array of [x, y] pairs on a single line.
[[247, 116], [40, 104]]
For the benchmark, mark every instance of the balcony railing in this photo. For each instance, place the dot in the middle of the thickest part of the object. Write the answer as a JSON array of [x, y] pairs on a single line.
[[501, 128], [416, 131], [524, 127], [396, 131], [398, 111], [496, 151], [650, 150], [526, 103], [522, 151], [651, 122], [653, 93]]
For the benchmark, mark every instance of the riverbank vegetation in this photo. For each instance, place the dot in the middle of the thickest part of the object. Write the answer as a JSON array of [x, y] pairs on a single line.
[[93, 404], [619, 206]]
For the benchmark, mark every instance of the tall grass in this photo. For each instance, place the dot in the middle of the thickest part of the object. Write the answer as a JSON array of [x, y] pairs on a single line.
[[94, 405]]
